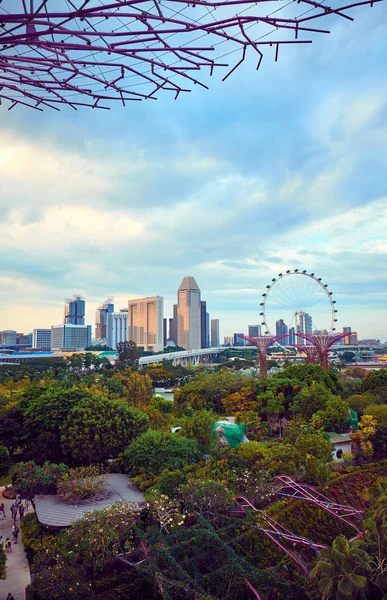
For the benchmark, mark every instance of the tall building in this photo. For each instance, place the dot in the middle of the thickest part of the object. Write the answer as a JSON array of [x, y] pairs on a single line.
[[214, 333], [101, 318], [292, 336], [189, 315], [173, 326], [349, 339], [23, 339], [238, 340], [304, 325], [74, 311], [204, 325], [282, 329], [69, 337], [41, 338], [255, 330], [165, 335], [145, 322], [116, 328], [227, 340], [8, 337]]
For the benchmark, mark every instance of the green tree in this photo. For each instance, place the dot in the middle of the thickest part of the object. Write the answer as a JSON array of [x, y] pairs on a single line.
[[128, 353], [315, 451], [5, 461], [375, 381], [199, 427], [309, 373], [97, 429], [379, 412], [342, 572], [138, 389], [359, 402], [334, 416], [155, 451], [311, 399], [31, 479]]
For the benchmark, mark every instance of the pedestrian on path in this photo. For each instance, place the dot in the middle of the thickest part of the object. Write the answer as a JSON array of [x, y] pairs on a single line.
[[27, 503], [1, 542], [12, 508], [8, 546], [15, 533], [10, 597], [21, 511], [2, 514], [2, 507]]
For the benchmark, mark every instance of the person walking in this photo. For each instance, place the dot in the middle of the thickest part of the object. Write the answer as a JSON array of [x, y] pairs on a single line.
[[2, 508], [15, 533], [8, 546], [21, 511], [12, 508], [10, 597], [2, 514], [27, 504]]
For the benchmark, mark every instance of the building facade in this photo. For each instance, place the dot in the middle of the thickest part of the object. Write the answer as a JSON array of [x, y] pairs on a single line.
[[116, 328], [146, 322], [41, 338], [173, 326], [189, 315], [8, 337], [215, 333], [69, 337], [282, 329], [255, 330], [238, 340], [101, 318], [74, 311]]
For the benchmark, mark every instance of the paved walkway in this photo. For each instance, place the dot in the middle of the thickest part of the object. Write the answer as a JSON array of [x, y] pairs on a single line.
[[18, 573]]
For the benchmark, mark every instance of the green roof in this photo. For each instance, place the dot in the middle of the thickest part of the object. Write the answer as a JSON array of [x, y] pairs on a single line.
[[338, 437]]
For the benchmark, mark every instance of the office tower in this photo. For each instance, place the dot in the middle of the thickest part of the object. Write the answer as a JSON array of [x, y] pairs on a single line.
[[304, 325], [165, 325], [204, 325], [101, 318], [238, 340], [189, 315], [255, 330], [173, 326], [214, 333], [74, 311], [227, 340], [69, 337], [145, 322], [116, 328], [292, 335], [8, 337], [282, 329], [23, 339], [41, 338], [346, 340]]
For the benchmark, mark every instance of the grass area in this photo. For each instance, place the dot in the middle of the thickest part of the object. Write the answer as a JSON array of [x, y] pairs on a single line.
[[7, 479]]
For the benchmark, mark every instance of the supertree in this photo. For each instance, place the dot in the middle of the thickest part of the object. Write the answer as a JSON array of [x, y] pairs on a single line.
[[323, 342], [91, 53], [308, 349], [262, 343]]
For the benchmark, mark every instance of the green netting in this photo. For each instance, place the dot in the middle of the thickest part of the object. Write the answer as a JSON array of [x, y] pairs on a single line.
[[353, 420], [232, 432]]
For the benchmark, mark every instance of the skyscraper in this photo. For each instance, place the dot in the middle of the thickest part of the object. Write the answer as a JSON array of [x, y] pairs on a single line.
[[173, 326], [304, 325], [116, 328], [255, 330], [204, 325], [214, 333], [282, 329], [74, 311], [101, 318], [238, 340], [189, 315], [292, 335], [145, 322]]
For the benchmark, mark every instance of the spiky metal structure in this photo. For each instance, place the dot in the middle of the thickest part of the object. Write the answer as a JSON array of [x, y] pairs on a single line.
[[93, 52], [262, 343], [308, 349], [323, 342]]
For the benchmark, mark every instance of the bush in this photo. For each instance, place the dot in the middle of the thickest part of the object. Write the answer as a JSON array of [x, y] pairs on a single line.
[[81, 483], [34, 536], [5, 461], [155, 451], [170, 481], [205, 496], [32, 479]]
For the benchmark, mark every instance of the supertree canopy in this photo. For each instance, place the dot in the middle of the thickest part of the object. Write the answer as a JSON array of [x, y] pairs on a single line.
[[308, 349], [322, 342], [262, 343], [94, 52]]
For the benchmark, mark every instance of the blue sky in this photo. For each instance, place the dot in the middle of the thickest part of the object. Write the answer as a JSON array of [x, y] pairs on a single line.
[[284, 168]]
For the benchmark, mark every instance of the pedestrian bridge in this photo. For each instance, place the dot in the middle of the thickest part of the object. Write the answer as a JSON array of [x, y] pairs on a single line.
[[184, 357]]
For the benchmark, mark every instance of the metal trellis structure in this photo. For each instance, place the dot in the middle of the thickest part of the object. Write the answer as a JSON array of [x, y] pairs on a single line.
[[96, 52]]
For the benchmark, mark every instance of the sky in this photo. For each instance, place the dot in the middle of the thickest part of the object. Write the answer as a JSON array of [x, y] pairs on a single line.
[[278, 169]]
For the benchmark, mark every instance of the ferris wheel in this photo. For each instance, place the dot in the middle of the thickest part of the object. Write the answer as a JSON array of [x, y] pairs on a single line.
[[297, 301]]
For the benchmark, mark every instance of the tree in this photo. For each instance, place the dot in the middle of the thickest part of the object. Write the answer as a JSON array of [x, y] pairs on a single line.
[[308, 373], [375, 381], [97, 429], [138, 389], [128, 353], [311, 399], [315, 451], [347, 356], [199, 427], [361, 439], [5, 461], [205, 496], [32, 479], [243, 401], [342, 572], [334, 416], [154, 451], [379, 412], [359, 402]]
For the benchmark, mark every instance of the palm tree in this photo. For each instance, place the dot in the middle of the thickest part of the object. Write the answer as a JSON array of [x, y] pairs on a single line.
[[343, 571]]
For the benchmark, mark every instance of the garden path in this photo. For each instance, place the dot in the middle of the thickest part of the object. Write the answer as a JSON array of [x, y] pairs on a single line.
[[18, 572]]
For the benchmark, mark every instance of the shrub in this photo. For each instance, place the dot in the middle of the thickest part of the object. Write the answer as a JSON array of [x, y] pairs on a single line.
[[34, 536], [5, 461], [32, 479], [81, 483], [170, 481], [205, 496]]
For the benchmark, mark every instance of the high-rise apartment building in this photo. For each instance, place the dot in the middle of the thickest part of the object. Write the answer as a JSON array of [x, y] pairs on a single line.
[[116, 328], [255, 330], [69, 337], [74, 311], [41, 338], [238, 340], [204, 325], [101, 318], [304, 325], [189, 315], [282, 329], [227, 340], [214, 333], [292, 336], [349, 339], [145, 322]]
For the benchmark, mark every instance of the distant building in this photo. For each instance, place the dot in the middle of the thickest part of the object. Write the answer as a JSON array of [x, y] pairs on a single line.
[[282, 329], [41, 338], [101, 318], [165, 335], [238, 340], [349, 339], [74, 311], [304, 325], [255, 330], [24, 339], [292, 335], [69, 337], [189, 315], [8, 337], [204, 325], [227, 340], [116, 328], [173, 326], [214, 333], [146, 322]]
